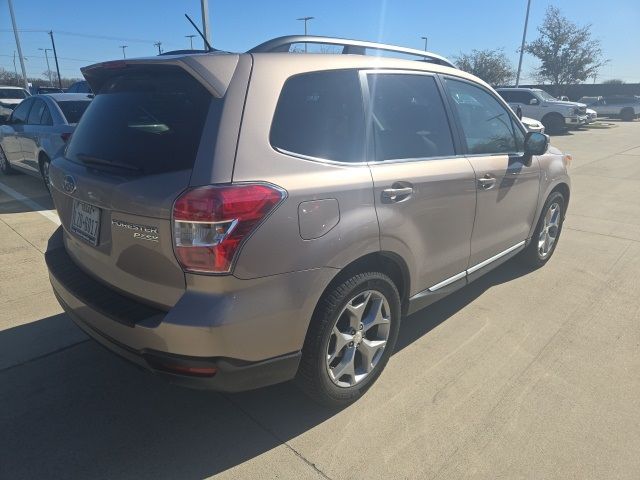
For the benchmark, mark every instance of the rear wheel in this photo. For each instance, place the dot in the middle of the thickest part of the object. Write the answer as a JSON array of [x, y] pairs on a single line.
[[350, 339], [545, 237], [5, 167], [45, 162], [627, 114], [553, 123]]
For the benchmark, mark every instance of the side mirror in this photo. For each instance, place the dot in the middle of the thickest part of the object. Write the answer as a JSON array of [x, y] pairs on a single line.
[[533, 101], [519, 112], [535, 143]]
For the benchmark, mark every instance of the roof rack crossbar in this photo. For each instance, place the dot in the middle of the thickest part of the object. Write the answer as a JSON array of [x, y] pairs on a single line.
[[357, 47]]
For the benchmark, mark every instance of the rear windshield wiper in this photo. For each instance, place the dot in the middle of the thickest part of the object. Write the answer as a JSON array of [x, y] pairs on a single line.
[[89, 160]]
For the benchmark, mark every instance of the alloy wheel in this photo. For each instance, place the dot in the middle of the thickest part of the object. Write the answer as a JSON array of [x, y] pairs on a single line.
[[550, 229], [358, 338]]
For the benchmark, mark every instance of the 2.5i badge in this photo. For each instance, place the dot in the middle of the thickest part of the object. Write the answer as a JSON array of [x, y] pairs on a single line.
[[141, 232]]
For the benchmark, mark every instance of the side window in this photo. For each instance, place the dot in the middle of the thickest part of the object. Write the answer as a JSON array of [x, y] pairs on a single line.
[[21, 112], [46, 117], [487, 126], [408, 117], [321, 115], [36, 112]]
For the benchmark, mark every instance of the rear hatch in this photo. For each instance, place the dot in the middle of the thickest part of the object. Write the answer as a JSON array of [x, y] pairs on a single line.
[[129, 158]]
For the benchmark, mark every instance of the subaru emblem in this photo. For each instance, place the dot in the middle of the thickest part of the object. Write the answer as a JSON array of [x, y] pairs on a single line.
[[69, 184]]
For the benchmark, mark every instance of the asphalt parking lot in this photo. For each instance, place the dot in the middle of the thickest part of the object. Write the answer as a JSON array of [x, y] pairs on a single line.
[[520, 375]]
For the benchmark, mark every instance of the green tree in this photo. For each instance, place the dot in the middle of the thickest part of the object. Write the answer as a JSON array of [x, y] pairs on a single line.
[[567, 53], [492, 66]]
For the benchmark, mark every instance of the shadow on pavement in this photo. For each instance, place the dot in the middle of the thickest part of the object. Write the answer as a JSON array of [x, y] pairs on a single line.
[[30, 187], [82, 413]]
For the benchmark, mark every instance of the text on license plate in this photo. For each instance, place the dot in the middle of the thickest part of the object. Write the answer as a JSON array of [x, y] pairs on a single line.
[[85, 221]]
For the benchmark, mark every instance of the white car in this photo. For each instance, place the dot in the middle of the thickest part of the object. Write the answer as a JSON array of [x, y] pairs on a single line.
[[554, 114], [9, 98], [532, 125], [592, 115]]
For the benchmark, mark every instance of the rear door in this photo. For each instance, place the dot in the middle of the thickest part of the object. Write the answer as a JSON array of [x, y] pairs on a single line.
[[424, 192], [127, 161], [507, 189], [30, 138]]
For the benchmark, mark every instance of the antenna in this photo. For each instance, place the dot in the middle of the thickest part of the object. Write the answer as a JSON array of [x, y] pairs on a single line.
[[209, 47]]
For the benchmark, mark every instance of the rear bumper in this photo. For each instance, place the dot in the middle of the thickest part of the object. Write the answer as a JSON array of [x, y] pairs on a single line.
[[251, 334]]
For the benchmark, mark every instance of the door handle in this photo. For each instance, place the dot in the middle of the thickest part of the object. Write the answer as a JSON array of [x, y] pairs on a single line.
[[397, 194], [487, 182]]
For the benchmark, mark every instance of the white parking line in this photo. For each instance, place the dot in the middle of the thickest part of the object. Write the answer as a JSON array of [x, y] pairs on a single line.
[[49, 214]]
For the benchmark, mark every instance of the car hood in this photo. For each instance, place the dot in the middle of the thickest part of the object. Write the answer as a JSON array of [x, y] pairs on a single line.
[[530, 121], [11, 101], [567, 104]]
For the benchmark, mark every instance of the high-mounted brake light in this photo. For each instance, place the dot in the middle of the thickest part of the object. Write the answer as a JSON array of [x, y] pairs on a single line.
[[210, 223]]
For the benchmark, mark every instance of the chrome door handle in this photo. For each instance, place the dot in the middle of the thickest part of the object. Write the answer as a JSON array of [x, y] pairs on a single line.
[[396, 194], [486, 183]]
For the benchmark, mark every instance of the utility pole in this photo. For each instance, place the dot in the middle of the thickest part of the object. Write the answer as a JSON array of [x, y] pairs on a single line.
[[205, 22], [55, 55], [524, 37], [48, 68], [190, 37], [14, 64], [425, 43], [15, 32], [124, 55], [305, 20], [158, 44]]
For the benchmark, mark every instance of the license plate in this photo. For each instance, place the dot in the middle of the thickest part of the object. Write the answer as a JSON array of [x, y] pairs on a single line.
[[85, 221]]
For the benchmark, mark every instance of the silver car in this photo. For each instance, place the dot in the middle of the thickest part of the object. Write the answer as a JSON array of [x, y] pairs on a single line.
[[10, 97], [38, 128], [231, 221]]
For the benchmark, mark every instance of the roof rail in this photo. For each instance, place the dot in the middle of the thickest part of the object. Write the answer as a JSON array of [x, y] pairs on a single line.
[[357, 47]]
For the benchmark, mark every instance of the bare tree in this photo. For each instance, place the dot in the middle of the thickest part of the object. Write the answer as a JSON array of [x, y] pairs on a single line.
[[567, 53], [492, 66]]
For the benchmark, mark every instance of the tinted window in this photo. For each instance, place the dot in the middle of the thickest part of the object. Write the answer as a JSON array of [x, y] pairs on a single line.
[[148, 120], [408, 116], [46, 117], [487, 125], [36, 112], [321, 115], [73, 110], [12, 93], [516, 96], [21, 112]]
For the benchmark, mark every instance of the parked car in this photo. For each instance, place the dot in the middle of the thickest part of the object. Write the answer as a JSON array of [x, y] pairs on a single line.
[[554, 114], [80, 87], [9, 98], [532, 125], [627, 108], [231, 234], [37, 130], [592, 115], [42, 90]]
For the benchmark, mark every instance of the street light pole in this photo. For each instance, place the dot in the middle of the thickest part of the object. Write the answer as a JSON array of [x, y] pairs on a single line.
[[190, 37], [48, 68], [158, 44], [425, 43], [524, 37], [124, 55], [15, 32], [204, 4], [55, 55], [305, 20]]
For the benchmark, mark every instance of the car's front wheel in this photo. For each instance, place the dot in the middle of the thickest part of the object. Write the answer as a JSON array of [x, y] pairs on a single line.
[[547, 233], [350, 339], [627, 114]]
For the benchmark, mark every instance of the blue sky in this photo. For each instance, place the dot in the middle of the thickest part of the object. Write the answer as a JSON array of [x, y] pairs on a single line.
[[452, 26]]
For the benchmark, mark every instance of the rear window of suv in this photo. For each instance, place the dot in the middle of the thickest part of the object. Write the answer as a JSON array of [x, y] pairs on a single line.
[[320, 115], [146, 120]]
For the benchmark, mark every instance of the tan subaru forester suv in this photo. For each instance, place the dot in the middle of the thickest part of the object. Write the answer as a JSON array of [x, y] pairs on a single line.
[[231, 221]]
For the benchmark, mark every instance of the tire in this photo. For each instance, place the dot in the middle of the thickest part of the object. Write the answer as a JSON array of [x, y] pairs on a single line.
[[537, 254], [553, 123], [326, 355], [627, 114], [45, 162], [5, 167]]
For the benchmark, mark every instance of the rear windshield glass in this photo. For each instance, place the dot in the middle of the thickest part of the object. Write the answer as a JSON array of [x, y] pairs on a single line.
[[73, 110], [12, 93], [147, 120]]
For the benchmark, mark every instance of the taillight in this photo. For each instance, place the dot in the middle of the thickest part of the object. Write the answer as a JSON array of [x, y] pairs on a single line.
[[210, 223]]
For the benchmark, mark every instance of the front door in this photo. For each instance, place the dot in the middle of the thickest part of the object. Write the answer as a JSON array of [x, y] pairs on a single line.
[[31, 136], [11, 134], [507, 189], [425, 194]]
